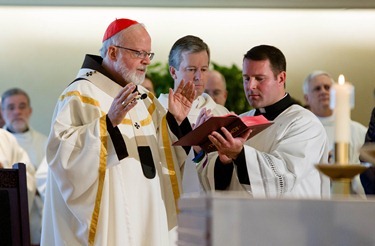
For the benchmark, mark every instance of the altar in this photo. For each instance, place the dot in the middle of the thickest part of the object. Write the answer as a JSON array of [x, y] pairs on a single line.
[[236, 220]]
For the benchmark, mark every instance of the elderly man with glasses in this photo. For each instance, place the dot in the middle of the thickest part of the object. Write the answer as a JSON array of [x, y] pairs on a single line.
[[114, 177]]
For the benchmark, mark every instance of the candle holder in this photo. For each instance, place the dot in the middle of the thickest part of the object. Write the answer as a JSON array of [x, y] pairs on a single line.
[[341, 172]]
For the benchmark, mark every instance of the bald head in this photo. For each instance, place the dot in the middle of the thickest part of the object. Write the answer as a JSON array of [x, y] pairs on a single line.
[[216, 87]]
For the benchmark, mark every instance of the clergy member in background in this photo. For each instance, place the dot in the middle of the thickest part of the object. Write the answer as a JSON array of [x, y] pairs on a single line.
[[12, 153], [279, 161], [368, 176], [2, 122], [189, 60], [16, 110], [216, 87], [316, 90]]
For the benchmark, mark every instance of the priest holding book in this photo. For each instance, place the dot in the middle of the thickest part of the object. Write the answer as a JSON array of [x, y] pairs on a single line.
[[279, 161]]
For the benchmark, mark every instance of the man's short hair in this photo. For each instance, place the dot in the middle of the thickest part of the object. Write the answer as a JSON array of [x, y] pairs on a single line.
[[271, 53], [189, 43], [12, 92]]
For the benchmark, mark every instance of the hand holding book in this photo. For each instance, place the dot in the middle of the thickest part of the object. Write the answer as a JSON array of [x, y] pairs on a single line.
[[228, 147], [236, 125]]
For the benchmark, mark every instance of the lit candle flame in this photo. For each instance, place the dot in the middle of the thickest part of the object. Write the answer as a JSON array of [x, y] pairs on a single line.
[[341, 79]]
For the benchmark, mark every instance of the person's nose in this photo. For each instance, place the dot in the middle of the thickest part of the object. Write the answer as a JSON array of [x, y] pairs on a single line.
[[198, 75], [17, 110], [252, 84], [146, 61]]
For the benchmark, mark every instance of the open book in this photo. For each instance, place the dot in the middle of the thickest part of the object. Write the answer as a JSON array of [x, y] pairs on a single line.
[[236, 125]]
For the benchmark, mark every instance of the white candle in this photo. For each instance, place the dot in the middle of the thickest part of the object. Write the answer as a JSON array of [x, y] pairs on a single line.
[[341, 99]]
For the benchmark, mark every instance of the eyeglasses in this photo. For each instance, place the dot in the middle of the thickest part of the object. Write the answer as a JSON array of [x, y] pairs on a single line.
[[138, 53]]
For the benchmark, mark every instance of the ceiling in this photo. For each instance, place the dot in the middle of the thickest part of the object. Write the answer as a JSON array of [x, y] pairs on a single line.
[[317, 4]]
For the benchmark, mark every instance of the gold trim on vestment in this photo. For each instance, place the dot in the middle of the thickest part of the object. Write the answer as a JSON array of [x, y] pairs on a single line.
[[103, 157], [84, 99], [102, 169], [170, 164], [151, 108], [145, 122]]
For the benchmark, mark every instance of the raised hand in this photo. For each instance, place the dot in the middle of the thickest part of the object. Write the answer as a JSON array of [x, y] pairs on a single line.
[[122, 103], [180, 101]]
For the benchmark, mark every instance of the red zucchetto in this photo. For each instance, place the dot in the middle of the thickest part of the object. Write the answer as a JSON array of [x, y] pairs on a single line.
[[117, 26]]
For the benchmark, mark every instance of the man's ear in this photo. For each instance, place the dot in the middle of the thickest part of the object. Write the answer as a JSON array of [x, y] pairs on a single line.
[[306, 99], [282, 78], [172, 71], [111, 53]]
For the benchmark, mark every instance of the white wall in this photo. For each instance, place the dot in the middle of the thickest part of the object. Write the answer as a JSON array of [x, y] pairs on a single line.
[[42, 48]]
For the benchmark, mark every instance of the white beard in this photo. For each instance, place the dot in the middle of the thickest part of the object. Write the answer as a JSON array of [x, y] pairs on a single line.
[[136, 79], [130, 76]]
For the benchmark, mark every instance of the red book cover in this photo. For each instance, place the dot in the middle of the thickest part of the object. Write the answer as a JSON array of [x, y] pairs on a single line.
[[236, 125]]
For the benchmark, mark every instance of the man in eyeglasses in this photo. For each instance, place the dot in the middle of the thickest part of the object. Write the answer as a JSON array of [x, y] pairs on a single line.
[[316, 90], [113, 175]]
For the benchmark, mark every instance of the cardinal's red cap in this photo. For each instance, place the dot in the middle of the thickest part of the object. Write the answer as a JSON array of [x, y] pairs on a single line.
[[117, 26]]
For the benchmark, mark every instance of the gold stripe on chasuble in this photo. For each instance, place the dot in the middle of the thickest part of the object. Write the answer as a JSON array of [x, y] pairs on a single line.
[[170, 163], [126, 121], [84, 99], [102, 169], [151, 108], [151, 96], [144, 122]]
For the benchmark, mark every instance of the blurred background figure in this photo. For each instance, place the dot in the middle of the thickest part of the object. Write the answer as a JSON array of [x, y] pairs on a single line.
[[216, 87], [368, 176], [147, 83], [16, 111], [2, 122], [12, 153], [316, 89]]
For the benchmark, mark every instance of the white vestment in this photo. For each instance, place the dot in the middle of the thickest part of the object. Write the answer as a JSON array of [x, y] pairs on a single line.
[[190, 181], [41, 178], [357, 139], [34, 143], [12, 153], [93, 197], [280, 160]]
